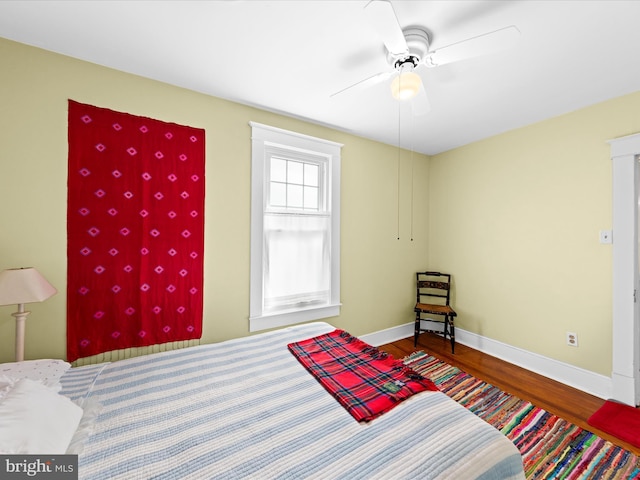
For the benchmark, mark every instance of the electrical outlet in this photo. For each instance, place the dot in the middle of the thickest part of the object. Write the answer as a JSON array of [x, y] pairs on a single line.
[[572, 339]]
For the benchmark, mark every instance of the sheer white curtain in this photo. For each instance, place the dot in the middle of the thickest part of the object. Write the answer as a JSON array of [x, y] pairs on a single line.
[[297, 261]]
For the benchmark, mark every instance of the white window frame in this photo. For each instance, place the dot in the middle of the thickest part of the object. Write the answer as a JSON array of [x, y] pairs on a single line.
[[264, 138]]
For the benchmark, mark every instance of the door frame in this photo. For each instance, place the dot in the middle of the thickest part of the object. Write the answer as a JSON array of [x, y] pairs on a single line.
[[625, 376]]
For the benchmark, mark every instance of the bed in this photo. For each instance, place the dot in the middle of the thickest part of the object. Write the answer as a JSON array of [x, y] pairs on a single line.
[[246, 408]]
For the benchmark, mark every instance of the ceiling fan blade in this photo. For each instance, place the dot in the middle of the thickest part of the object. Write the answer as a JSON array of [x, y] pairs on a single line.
[[383, 18], [487, 43], [367, 82]]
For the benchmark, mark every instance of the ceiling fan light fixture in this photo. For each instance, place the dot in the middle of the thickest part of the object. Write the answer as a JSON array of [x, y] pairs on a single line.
[[406, 85]]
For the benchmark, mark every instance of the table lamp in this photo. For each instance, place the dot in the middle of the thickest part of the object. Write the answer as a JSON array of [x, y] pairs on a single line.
[[20, 286]]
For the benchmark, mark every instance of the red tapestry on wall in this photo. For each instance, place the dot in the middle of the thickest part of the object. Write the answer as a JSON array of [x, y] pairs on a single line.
[[135, 227]]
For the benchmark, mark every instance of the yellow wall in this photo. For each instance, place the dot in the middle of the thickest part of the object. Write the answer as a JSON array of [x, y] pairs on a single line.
[[377, 268], [516, 219]]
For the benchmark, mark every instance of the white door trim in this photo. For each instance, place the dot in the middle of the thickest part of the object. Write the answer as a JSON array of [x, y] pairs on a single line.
[[626, 172]]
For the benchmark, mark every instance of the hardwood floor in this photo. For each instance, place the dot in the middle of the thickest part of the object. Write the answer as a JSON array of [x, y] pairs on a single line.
[[569, 403]]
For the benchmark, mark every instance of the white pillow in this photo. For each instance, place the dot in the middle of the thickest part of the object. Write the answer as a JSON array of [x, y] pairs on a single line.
[[48, 371], [34, 419], [6, 384]]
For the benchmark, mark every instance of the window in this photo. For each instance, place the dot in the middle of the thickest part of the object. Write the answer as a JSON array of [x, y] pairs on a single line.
[[295, 228]]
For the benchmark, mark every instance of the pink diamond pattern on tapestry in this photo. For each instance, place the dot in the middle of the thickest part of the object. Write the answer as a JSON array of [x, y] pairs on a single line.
[[135, 231]]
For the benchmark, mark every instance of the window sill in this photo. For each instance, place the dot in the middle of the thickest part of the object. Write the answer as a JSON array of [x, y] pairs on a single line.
[[281, 319]]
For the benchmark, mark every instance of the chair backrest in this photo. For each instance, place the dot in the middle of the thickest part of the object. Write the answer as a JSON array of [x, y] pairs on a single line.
[[433, 288]]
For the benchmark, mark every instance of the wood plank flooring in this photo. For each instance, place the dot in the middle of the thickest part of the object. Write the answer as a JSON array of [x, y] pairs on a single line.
[[569, 403]]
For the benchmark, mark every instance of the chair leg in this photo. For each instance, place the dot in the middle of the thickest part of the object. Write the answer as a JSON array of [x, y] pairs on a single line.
[[452, 335], [416, 331]]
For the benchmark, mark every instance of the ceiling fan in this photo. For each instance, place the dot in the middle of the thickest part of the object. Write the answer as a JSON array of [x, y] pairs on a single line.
[[408, 52]]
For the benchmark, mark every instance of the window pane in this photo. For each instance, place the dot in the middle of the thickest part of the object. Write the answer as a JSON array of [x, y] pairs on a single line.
[[278, 195], [294, 196], [278, 170], [311, 174], [294, 172], [311, 198]]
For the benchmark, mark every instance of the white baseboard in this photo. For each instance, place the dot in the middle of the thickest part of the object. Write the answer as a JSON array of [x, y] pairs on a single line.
[[576, 377], [388, 335]]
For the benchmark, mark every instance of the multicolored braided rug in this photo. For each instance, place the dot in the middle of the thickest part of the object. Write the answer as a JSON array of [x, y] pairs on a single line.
[[551, 447]]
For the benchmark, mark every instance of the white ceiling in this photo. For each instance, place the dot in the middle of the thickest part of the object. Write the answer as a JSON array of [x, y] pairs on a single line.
[[290, 56]]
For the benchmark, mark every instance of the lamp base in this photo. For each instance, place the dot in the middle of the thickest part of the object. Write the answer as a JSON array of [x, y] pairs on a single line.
[[21, 316]]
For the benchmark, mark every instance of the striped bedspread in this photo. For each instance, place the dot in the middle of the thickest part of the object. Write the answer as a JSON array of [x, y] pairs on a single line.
[[247, 408]]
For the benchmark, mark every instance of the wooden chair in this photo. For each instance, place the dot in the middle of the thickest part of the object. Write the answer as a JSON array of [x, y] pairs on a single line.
[[433, 297]]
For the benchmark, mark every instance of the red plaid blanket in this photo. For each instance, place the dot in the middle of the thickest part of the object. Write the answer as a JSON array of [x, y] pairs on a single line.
[[365, 380]]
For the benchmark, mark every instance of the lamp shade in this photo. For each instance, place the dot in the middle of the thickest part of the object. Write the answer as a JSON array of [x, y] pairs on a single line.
[[23, 285], [406, 85]]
